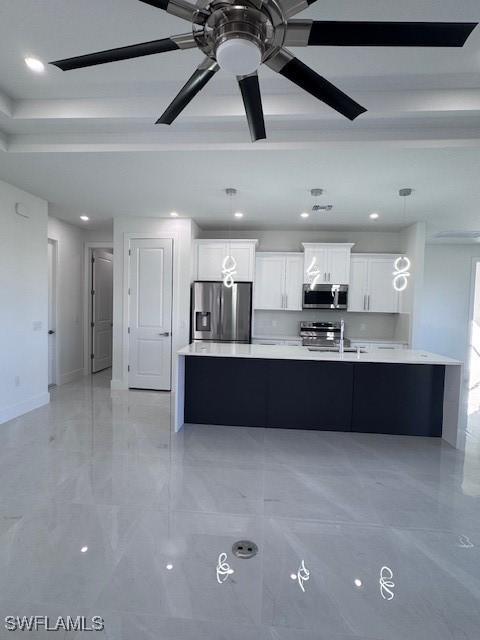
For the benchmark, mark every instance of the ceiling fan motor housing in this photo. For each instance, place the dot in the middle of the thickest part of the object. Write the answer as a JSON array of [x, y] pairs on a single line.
[[225, 21]]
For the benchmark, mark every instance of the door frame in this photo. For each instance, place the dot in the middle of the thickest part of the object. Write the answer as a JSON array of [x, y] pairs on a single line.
[[127, 237], [87, 307], [471, 306], [54, 244]]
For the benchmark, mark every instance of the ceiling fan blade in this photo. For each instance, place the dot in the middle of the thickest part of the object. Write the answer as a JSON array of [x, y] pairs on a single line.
[[179, 8], [194, 84], [378, 34], [309, 80], [185, 41], [252, 100], [292, 7]]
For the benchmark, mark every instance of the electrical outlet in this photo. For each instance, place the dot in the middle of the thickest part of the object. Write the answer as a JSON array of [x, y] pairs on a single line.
[[17, 381]]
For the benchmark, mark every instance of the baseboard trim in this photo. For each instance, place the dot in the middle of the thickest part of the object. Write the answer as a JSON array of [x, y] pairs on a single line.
[[71, 376], [16, 410], [118, 385]]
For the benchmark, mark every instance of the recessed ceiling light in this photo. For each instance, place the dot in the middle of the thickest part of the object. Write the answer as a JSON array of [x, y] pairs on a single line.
[[84, 218], [174, 214], [357, 582], [35, 65], [304, 215], [84, 549], [238, 214], [169, 567], [374, 216]]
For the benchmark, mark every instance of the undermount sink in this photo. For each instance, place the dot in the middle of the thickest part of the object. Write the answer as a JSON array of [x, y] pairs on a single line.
[[337, 349]]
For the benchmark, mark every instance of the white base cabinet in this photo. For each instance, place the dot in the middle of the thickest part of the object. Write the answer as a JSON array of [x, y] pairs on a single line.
[[210, 255], [371, 284], [327, 263], [278, 281]]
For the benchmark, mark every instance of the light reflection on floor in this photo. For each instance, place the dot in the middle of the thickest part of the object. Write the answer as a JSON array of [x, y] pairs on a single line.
[[104, 512]]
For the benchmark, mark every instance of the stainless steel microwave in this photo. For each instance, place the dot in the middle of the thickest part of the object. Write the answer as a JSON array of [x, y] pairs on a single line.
[[325, 296]]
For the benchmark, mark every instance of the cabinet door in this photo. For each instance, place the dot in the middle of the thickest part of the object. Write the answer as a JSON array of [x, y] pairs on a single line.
[[244, 254], [357, 291], [315, 259], [210, 257], [269, 282], [293, 282], [338, 265], [382, 296]]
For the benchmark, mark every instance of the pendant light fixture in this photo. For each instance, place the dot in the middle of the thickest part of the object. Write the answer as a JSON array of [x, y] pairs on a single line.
[[229, 264], [402, 263]]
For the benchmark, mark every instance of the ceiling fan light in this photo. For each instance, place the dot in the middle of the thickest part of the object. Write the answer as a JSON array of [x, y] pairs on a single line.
[[239, 56]]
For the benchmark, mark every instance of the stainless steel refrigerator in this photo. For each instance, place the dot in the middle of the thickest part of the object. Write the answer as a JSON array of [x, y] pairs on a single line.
[[220, 313]]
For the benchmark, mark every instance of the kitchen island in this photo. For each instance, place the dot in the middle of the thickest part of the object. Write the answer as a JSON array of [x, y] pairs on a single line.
[[399, 392]]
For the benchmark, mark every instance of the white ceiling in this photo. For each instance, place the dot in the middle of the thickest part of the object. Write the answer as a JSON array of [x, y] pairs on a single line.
[[85, 140]]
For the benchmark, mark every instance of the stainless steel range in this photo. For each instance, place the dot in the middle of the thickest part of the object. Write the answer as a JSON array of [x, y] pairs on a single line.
[[324, 336]]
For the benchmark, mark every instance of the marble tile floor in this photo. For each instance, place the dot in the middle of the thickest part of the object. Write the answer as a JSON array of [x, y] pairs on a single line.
[[103, 511]]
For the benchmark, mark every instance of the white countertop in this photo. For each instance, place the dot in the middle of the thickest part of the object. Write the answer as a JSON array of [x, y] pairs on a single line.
[[285, 352]]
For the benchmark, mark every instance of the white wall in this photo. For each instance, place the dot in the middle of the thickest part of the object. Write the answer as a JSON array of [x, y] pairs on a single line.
[[366, 326], [24, 309], [408, 327], [444, 312], [70, 299], [285, 240], [182, 233]]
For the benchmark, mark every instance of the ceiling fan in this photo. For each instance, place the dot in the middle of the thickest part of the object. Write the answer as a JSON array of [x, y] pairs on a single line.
[[240, 35]]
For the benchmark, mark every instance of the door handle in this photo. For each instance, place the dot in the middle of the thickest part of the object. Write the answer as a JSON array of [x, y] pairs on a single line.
[[51, 332], [165, 334]]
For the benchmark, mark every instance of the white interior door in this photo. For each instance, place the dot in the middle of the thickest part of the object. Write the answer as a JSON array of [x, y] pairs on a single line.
[[150, 314], [52, 338], [102, 309]]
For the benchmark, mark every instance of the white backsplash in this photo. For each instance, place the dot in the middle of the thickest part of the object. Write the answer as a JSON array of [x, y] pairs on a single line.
[[374, 326]]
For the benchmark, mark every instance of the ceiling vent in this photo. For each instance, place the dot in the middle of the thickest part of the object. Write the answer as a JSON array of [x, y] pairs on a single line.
[[318, 208], [457, 235]]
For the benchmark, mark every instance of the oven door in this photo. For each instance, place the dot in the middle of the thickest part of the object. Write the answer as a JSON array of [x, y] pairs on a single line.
[[325, 296]]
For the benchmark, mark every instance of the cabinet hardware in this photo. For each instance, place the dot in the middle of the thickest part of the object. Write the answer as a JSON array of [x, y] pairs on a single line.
[[286, 301]]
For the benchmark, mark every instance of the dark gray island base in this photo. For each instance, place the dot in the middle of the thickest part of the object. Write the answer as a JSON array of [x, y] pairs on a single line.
[[366, 397]]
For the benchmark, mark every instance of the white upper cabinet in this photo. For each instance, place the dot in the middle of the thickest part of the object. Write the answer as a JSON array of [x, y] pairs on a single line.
[[210, 254], [357, 291], [331, 261], [371, 284], [293, 281], [278, 281]]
